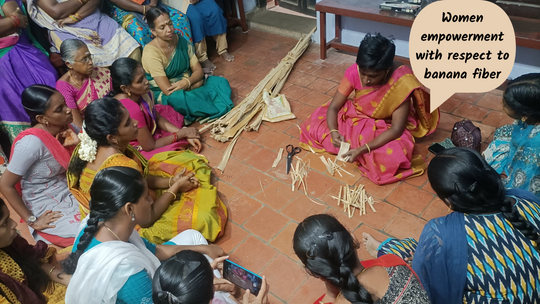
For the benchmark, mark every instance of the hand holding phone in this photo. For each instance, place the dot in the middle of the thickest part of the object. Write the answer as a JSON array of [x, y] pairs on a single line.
[[262, 298], [242, 277]]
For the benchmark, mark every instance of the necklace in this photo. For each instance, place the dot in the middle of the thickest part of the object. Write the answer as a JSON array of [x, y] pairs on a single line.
[[168, 47], [74, 80], [111, 232]]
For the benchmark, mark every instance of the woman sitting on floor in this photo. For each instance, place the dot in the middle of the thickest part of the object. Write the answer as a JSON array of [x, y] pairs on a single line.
[[388, 110], [23, 62], [131, 14], [176, 77], [120, 265], [27, 272], [188, 277], [83, 83], [486, 251], [39, 159], [160, 127], [185, 199], [207, 20], [328, 252], [515, 149], [74, 19]]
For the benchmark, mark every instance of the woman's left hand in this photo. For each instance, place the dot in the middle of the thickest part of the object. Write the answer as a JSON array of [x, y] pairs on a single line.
[[177, 86], [353, 154], [214, 251], [196, 144]]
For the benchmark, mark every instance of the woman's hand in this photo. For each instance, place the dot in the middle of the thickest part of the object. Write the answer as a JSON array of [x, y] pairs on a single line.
[[353, 154], [337, 139], [186, 183], [262, 298], [191, 133], [179, 85], [214, 251], [46, 219], [193, 1], [65, 21], [196, 144], [23, 20], [154, 3]]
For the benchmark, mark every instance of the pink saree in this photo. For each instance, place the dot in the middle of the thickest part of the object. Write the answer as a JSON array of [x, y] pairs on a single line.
[[145, 114], [367, 116], [97, 86]]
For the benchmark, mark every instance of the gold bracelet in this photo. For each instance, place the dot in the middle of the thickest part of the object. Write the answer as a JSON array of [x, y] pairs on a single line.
[[74, 18], [369, 150], [144, 10], [170, 180], [334, 130], [174, 195], [50, 271], [189, 82]]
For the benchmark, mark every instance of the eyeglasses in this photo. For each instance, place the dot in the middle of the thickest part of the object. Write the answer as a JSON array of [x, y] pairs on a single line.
[[85, 60]]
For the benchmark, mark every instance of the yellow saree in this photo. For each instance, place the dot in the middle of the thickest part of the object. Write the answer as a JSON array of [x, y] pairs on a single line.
[[199, 209]]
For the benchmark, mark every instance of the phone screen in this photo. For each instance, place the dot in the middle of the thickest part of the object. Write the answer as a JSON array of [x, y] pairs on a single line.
[[242, 277]]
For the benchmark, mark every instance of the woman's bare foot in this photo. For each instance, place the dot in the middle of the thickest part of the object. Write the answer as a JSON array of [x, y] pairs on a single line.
[[371, 244], [208, 65], [227, 56]]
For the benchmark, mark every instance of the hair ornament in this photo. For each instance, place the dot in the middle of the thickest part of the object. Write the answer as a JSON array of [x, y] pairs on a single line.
[[327, 236], [88, 146]]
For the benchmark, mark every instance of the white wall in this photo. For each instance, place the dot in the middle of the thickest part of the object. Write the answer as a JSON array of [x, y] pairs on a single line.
[[353, 31]]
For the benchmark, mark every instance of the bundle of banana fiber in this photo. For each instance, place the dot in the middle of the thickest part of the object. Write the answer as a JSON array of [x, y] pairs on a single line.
[[248, 114]]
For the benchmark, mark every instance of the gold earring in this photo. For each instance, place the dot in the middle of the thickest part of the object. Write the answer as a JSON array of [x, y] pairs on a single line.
[[524, 118], [47, 123], [129, 94]]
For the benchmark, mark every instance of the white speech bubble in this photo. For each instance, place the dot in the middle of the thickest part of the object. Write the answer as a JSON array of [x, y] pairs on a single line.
[[464, 46]]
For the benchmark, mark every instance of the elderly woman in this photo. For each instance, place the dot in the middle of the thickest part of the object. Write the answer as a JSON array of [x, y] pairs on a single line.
[[176, 77], [23, 62], [515, 149], [39, 159], [83, 82], [486, 251], [82, 19], [388, 110]]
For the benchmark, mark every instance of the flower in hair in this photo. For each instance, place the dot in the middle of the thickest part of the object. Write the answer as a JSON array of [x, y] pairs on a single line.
[[88, 148]]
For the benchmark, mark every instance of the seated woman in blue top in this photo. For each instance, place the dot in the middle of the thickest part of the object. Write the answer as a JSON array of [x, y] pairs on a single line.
[[112, 263]]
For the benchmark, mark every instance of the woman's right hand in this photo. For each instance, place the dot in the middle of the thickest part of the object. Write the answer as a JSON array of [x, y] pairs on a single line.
[[23, 19], [337, 138], [186, 182], [262, 298], [214, 251], [46, 219]]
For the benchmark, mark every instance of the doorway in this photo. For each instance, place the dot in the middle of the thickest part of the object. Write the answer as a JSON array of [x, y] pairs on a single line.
[[302, 6]]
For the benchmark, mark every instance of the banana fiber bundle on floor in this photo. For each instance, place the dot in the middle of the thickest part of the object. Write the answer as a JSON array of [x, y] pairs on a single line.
[[248, 114]]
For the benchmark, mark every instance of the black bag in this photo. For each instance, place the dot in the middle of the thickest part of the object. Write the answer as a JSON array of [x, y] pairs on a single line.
[[466, 134]]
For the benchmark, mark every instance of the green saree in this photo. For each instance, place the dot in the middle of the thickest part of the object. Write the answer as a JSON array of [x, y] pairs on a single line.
[[212, 100]]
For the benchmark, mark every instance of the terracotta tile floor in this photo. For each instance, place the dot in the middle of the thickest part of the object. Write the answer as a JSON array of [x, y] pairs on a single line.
[[262, 221]]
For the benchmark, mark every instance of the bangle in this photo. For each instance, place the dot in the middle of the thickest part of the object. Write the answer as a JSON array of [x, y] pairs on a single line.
[[189, 82], [170, 180], [16, 20], [369, 150], [78, 17], [74, 18], [175, 137], [50, 271], [334, 130], [174, 195], [144, 10]]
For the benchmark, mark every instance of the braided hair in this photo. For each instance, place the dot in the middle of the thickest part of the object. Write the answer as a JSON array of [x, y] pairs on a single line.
[[328, 251], [464, 179], [523, 96], [111, 190], [186, 277], [102, 117]]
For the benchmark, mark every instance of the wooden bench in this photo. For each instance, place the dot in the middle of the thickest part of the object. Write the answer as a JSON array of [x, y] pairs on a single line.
[[525, 18]]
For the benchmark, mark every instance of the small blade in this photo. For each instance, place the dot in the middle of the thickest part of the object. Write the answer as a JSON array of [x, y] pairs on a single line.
[[289, 160]]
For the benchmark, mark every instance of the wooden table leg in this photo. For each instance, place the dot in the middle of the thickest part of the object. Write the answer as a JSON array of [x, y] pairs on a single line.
[[242, 14], [322, 30], [338, 28]]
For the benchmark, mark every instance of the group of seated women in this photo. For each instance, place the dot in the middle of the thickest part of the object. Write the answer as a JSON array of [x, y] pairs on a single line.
[[90, 37], [128, 184]]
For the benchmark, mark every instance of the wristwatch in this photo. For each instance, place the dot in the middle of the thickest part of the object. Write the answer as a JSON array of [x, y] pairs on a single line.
[[31, 220]]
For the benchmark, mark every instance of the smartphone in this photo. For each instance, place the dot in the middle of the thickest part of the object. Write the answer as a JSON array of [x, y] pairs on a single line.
[[436, 148], [242, 277]]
